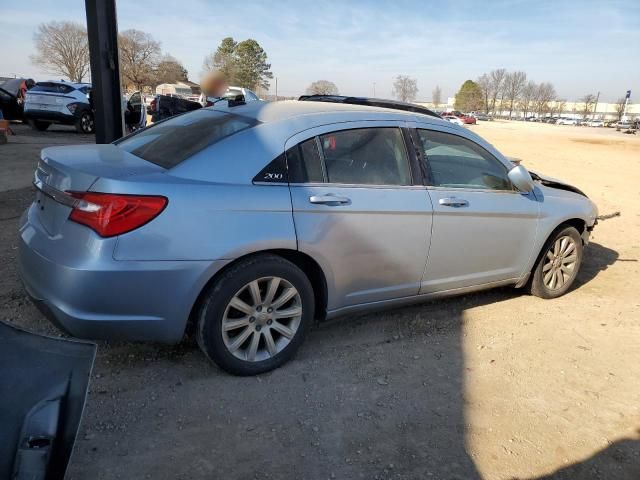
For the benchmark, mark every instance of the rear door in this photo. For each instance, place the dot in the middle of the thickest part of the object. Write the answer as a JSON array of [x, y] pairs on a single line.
[[358, 211], [483, 228]]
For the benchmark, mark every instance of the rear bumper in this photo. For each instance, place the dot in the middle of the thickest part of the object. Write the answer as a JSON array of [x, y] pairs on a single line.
[[51, 116], [99, 298]]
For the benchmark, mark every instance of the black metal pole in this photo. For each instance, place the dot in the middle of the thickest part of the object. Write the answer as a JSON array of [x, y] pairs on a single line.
[[102, 27]]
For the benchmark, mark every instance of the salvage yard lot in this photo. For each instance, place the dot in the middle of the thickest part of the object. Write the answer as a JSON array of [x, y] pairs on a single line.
[[495, 385]]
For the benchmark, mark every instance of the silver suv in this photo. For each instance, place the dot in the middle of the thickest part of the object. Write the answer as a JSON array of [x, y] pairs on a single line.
[[249, 221], [60, 102]]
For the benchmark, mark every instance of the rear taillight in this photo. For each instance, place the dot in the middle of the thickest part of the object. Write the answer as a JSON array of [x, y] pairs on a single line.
[[153, 105], [72, 107], [112, 214]]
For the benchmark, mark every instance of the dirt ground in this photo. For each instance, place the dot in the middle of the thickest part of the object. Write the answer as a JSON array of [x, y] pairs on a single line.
[[495, 385]]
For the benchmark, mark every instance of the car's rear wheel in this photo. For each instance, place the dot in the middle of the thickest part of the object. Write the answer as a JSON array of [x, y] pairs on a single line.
[[558, 265], [85, 123], [39, 125], [254, 318]]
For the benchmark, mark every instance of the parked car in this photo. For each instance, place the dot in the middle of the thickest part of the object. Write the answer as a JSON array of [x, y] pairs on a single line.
[[566, 121], [60, 102], [483, 117], [251, 221], [453, 119], [233, 93], [467, 119], [624, 125], [594, 123]]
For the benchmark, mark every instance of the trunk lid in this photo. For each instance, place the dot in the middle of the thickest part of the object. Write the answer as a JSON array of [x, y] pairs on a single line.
[[76, 168]]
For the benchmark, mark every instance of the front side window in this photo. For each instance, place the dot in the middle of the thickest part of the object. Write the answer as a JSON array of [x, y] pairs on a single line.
[[173, 141], [456, 162], [366, 156]]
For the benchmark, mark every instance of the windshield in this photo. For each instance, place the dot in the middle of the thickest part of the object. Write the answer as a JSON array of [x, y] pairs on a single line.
[[173, 141]]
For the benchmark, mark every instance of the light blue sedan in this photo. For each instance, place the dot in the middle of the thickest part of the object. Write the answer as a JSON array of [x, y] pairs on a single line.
[[251, 220]]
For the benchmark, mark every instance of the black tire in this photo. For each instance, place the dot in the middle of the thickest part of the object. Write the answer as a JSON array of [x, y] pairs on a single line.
[[39, 125], [216, 300], [85, 124], [538, 286]]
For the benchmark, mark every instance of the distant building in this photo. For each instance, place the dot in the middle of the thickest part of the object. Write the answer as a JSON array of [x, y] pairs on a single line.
[[184, 88]]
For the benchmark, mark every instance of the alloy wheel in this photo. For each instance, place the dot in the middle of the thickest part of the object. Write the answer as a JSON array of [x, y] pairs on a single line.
[[560, 263], [261, 319], [86, 122]]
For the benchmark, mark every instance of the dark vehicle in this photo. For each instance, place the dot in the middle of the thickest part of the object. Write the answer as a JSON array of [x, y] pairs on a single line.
[[12, 97], [165, 106], [48, 380]]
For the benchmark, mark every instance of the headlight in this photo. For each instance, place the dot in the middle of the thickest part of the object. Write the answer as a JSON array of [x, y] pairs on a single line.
[[72, 107]]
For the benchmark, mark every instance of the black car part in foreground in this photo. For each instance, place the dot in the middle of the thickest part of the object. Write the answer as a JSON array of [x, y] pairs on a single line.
[[43, 388]]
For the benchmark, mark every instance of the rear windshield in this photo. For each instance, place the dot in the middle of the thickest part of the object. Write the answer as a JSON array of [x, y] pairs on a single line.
[[52, 87], [175, 140]]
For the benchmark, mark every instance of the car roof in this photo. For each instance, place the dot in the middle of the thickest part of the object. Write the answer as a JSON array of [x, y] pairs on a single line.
[[62, 82], [267, 112]]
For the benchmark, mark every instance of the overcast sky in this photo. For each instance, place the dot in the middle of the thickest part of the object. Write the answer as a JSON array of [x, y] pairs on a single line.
[[580, 46]]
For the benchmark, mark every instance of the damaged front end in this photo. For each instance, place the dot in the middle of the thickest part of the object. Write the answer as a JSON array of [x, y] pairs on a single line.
[[553, 183], [43, 388]]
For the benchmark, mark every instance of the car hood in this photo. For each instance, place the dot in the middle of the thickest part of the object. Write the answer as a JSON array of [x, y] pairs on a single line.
[[44, 382], [555, 183]]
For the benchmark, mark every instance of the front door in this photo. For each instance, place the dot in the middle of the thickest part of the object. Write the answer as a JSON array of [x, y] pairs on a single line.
[[483, 229], [358, 213]]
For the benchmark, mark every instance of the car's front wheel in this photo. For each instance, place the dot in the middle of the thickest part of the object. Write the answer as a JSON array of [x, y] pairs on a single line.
[[255, 316], [558, 265]]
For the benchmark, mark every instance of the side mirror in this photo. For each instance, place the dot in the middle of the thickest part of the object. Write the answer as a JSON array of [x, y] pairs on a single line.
[[520, 177]]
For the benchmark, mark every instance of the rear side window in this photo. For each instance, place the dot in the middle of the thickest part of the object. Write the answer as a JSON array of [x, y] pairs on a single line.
[[304, 162], [173, 141], [366, 156], [52, 87]]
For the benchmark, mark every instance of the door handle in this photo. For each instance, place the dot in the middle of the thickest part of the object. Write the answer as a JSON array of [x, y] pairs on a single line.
[[453, 202], [329, 199]]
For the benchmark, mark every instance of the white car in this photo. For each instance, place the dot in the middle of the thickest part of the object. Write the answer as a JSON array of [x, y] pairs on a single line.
[[566, 121], [452, 119], [66, 103], [595, 123]]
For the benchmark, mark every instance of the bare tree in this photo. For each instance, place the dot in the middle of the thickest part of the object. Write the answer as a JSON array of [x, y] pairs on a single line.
[[169, 70], [545, 94], [619, 107], [485, 87], [405, 88], [527, 97], [436, 97], [588, 102], [558, 106], [139, 57], [514, 83], [322, 87], [496, 84], [62, 49]]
